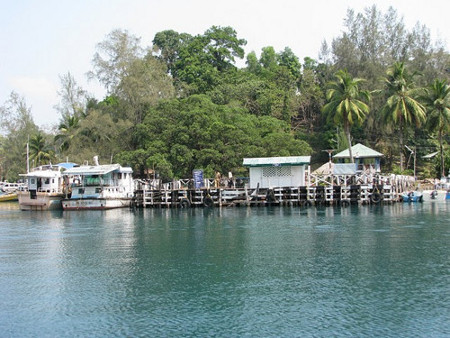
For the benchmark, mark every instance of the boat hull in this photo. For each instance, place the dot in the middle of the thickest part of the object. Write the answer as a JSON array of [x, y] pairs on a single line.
[[95, 203], [40, 201], [435, 195], [412, 197], [11, 197]]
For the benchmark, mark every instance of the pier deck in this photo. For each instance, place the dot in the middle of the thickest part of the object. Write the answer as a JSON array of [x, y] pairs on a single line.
[[300, 196]]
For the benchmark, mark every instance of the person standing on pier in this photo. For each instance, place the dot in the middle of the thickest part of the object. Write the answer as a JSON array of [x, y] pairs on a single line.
[[230, 180], [217, 178]]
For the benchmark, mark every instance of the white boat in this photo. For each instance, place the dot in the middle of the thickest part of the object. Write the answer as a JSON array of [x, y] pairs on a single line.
[[441, 191], [44, 189], [99, 187], [437, 195]]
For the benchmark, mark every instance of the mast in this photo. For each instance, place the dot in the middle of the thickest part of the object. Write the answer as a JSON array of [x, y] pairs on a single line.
[[28, 158]]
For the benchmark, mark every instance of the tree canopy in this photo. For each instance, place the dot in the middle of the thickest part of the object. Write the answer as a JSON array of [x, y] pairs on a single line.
[[183, 103]]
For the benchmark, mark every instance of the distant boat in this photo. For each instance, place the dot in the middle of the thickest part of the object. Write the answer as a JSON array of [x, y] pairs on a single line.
[[45, 187], [412, 196], [9, 197], [99, 187]]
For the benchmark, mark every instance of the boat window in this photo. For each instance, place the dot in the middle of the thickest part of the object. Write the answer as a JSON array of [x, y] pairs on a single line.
[[93, 180], [33, 181], [81, 191], [47, 181], [119, 176]]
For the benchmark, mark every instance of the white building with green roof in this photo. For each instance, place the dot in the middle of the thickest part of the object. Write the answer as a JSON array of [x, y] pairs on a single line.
[[365, 158], [269, 172]]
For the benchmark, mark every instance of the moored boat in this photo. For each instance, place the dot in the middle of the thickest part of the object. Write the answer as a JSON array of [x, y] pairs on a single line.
[[437, 195], [412, 196], [45, 188], [9, 197], [99, 187]]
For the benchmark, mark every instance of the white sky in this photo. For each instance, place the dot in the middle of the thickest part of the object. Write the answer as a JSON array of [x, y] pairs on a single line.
[[42, 39]]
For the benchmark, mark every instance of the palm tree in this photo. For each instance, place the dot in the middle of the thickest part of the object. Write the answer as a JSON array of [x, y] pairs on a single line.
[[437, 102], [40, 151], [401, 107], [346, 103], [67, 129]]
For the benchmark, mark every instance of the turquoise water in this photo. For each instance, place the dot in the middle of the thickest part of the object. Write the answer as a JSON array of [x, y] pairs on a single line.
[[259, 272]]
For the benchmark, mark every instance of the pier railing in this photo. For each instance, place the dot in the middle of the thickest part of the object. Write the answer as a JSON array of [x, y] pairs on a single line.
[[319, 190]]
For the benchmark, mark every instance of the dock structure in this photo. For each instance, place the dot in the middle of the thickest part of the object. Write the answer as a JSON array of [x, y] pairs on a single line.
[[321, 190]]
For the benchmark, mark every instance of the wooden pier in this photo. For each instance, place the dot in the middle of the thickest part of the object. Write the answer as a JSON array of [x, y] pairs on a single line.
[[320, 191]]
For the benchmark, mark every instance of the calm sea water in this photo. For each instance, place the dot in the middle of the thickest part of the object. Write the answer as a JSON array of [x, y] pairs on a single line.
[[259, 272]]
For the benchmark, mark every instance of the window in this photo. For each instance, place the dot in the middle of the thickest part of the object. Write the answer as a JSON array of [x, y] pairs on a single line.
[[276, 171]]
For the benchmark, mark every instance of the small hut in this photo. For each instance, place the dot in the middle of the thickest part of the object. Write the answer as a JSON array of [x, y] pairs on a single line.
[[269, 172], [366, 159]]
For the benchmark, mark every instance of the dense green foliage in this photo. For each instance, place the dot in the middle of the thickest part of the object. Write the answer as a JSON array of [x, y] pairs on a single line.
[[183, 104]]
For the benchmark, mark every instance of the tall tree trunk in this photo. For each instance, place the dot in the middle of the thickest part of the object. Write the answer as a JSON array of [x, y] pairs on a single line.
[[400, 136], [349, 141]]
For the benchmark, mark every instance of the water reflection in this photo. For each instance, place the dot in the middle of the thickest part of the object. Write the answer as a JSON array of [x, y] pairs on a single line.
[[369, 270]]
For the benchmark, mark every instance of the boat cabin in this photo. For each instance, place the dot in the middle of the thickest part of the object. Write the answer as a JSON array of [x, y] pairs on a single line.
[[46, 178], [100, 180]]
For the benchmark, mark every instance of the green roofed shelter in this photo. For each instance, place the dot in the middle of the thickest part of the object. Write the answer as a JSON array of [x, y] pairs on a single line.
[[365, 157], [269, 172]]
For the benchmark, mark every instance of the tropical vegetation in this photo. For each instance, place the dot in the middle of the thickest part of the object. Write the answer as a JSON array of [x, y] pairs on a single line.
[[184, 104]]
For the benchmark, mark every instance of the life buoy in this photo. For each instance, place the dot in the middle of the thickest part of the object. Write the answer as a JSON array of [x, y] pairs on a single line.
[[185, 203], [375, 198], [208, 202], [345, 203]]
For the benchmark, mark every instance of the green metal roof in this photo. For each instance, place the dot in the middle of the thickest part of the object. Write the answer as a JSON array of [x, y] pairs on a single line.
[[359, 151], [276, 161]]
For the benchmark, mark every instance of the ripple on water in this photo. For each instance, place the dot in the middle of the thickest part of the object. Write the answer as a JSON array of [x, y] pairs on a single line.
[[242, 272]]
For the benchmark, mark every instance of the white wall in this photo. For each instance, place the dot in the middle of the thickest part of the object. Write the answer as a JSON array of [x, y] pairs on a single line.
[[270, 177]]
